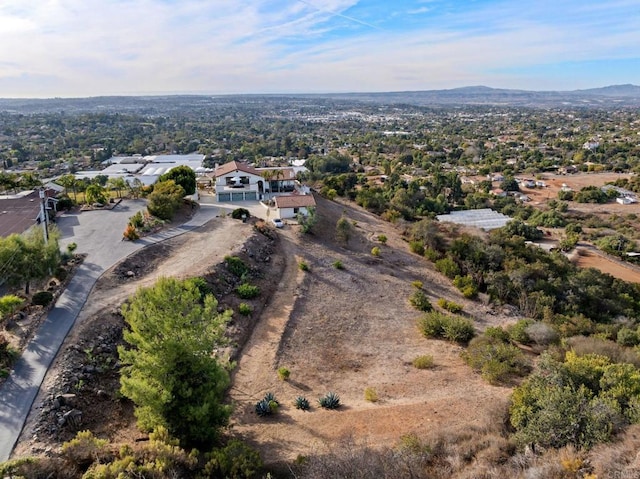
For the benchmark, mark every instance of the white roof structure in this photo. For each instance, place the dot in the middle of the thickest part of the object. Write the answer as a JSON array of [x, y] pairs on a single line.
[[484, 218]]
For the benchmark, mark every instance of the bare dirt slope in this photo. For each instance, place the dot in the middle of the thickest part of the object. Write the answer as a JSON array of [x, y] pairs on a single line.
[[347, 330]]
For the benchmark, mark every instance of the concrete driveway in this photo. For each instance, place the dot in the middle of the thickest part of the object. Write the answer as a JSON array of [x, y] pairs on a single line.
[[99, 235]]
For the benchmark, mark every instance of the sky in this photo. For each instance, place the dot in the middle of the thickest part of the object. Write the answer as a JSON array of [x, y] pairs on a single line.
[[79, 48]]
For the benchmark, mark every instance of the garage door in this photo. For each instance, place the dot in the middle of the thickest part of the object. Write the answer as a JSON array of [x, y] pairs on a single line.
[[224, 196]]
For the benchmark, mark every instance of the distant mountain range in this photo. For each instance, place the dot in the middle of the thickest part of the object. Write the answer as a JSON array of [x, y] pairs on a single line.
[[614, 96]]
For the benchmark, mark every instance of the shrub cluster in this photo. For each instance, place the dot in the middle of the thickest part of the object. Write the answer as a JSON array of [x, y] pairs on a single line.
[[495, 359], [443, 326], [420, 301], [247, 291], [450, 306]]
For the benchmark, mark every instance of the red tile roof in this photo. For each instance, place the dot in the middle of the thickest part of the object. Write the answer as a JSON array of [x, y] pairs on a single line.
[[233, 166], [294, 201]]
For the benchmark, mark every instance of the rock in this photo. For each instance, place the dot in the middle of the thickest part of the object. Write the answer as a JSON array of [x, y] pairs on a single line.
[[67, 399], [102, 394], [73, 418], [56, 404], [129, 274]]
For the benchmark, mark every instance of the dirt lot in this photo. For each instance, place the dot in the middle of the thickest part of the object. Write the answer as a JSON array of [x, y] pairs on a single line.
[[576, 182], [586, 258], [336, 330]]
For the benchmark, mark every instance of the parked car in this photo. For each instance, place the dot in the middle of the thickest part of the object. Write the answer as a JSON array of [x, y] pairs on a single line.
[[277, 222]]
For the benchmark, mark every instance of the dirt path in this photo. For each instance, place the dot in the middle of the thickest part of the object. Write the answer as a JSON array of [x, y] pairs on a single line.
[[254, 375]]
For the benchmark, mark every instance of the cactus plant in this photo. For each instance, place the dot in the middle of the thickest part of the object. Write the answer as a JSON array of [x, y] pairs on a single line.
[[330, 401]]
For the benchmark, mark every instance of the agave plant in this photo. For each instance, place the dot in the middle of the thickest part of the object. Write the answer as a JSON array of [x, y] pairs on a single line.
[[330, 401], [263, 408], [302, 403], [270, 397], [267, 405]]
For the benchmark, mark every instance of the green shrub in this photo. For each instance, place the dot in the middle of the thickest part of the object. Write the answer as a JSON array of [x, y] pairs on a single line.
[[420, 301], [458, 329], [466, 285], [417, 284], [627, 337], [238, 213], [370, 395], [247, 291], [84, 449], [496, 332], [448, 267], [375, 251], [245, 309], [416, 247], [234, 461], [283, 373], [518, 332], [496, 360], [382, 239], [137, 220], [42, 298], [338, 264], [432, 254], [330, 401], [452, 328], [423, 362], [303, 266], [61, 273], [236, 266], [71, 247], [430, 324], [450, 306]]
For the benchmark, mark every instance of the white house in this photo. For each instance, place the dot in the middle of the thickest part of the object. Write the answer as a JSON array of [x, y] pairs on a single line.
[[288, 206], [237, 181]]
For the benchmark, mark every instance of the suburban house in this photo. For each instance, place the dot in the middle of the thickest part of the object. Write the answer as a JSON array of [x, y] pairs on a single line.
[[236, 181], [288, 206], [21, 211]]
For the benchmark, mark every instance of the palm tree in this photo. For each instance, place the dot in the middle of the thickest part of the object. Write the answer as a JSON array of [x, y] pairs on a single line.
[[69, 181], [117, 184], [278, 174], [268, 176], [95, 194]]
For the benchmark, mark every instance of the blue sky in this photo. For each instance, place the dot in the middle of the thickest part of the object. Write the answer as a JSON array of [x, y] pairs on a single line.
[[72, 48]]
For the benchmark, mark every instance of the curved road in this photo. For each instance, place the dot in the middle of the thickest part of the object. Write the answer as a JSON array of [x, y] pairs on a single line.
[[98, 234]]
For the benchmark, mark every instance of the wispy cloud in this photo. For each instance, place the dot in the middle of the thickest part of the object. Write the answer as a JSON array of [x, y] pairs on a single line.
[[90, 47]]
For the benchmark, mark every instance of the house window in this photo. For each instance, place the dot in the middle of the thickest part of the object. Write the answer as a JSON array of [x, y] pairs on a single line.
[[295, 211]]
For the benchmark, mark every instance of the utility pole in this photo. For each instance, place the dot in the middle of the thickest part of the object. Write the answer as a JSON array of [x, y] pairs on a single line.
[[43, 215]]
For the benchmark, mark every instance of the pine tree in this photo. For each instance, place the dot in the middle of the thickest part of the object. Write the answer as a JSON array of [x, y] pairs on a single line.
[[169, 370]]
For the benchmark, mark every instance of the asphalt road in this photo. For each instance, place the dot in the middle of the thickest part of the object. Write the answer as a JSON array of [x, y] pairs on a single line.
[[99, 235]]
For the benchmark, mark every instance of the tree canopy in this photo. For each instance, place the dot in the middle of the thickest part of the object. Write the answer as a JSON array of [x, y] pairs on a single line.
[[183, 176], [169, 370]]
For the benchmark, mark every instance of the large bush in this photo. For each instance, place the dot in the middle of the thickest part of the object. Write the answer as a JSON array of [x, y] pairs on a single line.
[[581, 401], [165, 199], [183, 176]]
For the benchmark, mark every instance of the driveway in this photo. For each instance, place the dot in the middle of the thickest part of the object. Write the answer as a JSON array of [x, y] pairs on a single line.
[[99, 235]]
